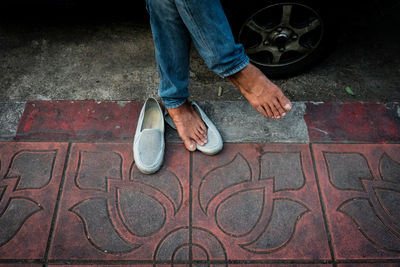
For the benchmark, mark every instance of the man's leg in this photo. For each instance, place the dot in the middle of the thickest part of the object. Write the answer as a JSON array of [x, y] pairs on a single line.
[[172, 48], [212, 36]]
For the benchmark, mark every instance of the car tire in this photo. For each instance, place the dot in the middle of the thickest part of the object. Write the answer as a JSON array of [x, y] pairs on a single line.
[[284, 38]]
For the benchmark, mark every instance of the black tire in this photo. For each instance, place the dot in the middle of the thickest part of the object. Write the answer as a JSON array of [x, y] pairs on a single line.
[[284, 38]]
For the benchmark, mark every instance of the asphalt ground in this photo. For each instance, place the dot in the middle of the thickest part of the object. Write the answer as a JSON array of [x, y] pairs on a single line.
[[69, 54]]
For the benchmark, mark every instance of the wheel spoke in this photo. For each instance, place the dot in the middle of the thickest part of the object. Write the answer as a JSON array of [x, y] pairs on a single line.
[[312, 26], [291, 38], [296, 46], [276, 56], [257, 49], [256, 27], [286, 14]]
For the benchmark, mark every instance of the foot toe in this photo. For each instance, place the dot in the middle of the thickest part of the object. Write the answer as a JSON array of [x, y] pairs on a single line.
[[203, 127], [199, 140], [189, 144], [275, 111], [288, 107], [268, 111], [279, 108], [283, 102]]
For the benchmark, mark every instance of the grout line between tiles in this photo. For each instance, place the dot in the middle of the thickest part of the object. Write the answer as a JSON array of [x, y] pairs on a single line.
[[57, 206], [328, 233]]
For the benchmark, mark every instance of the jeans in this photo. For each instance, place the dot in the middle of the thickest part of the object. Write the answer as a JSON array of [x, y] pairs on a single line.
[[175, 23]]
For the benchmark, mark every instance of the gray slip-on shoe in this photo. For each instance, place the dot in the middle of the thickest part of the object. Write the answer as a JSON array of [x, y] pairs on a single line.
[[214, 139], [149, 144]]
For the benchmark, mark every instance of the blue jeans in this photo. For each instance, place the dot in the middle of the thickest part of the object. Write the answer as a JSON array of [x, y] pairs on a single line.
[[174, 24]]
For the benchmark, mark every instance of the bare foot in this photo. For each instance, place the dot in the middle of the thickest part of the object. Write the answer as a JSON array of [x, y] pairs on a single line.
[[262, 94], [190, 126]]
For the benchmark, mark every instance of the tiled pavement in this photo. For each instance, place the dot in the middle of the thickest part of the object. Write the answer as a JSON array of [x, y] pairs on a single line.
[[67, 200]]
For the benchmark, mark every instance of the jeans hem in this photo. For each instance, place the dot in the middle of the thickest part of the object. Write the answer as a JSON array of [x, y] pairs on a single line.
[[243, 63], [175, 104]]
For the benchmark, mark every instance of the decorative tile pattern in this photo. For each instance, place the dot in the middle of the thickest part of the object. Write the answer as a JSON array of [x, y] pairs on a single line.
[[110, 211], [361, 190], [257, 202], [250, 205], [30, 176]]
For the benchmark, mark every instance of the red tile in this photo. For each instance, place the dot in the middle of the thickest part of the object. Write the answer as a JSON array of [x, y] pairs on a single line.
[[288, 265], [257, 202], [110, 211], [30, 176], [352, 122], [376, 264], [21, 264], [360, 187], [78, 120], [101, 265]]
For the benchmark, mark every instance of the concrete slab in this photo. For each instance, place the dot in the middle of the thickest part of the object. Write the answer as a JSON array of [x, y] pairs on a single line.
[[10, 115], [239, 122]]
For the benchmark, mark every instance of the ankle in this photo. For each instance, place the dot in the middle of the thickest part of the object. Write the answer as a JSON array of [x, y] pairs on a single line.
[[248, 76], [180, 108]]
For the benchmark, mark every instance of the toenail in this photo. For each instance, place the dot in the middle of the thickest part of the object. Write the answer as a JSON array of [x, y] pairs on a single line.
[[288, 106], [284, 114]]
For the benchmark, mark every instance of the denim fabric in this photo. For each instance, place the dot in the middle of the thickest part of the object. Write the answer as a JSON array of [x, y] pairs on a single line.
[[175, 23]]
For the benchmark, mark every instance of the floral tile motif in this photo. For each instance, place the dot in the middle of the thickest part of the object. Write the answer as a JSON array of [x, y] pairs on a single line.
[[361, 191], [257, 202], [110, 211], [30, 176]]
